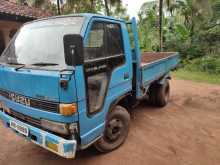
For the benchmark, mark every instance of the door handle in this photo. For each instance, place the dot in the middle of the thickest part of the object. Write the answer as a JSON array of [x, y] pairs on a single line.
[[126, 75]]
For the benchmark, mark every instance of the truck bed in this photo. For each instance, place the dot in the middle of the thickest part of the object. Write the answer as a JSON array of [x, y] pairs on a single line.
[[155, 65], [148, 57]]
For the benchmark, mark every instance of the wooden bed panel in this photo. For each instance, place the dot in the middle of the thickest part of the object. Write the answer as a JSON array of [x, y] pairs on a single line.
[[148, 57]]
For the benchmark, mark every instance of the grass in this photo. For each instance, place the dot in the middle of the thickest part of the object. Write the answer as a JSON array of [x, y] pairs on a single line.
[[197, 76]]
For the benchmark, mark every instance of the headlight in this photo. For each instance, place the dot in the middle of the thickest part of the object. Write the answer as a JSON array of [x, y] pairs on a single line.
[[68, 109], [55, 126]]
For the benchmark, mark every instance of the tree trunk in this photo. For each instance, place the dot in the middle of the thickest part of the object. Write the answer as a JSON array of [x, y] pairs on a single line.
[[161, 24], [92, 5], [58, 7], [106, 8]]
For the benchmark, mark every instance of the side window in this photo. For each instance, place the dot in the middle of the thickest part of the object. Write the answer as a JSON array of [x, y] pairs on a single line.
[[103, 52], [95, 47], [114, 39], [97, 86], [95, 67]]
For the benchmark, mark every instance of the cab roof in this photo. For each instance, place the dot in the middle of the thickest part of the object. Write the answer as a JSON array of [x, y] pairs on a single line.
[[86, 15]]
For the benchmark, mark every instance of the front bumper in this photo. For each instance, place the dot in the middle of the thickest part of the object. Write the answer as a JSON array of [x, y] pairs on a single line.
[[60, 146]]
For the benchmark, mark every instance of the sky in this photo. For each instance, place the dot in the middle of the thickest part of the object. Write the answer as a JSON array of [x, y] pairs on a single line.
[[133, 6]]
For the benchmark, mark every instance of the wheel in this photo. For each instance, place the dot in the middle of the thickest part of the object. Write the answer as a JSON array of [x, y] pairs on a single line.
[[116, 130], [152, 93], [159, 94]]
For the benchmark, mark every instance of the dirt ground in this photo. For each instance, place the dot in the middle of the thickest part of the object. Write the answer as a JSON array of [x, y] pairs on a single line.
[[185, 132]]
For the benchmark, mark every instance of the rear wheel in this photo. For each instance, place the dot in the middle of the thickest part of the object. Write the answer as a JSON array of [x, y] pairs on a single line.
[[116, 130], [159, 94]]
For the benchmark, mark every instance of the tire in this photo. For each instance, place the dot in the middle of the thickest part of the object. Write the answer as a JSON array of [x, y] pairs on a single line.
[[152, 94], [159, 94], [116, 130]]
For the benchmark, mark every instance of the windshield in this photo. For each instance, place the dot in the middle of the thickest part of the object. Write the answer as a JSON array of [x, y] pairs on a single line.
[[41, 42]]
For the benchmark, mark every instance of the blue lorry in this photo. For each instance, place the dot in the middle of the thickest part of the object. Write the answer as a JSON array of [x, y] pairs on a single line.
[[68, 82]]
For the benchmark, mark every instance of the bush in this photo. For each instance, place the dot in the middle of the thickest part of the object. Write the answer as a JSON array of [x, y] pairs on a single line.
[[208, 64]]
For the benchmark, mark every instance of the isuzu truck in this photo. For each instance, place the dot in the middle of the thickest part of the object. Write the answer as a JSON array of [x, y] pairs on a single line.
[[68, 82]]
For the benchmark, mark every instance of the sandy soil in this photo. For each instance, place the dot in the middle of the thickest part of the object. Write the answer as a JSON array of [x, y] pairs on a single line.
[[186, 132]]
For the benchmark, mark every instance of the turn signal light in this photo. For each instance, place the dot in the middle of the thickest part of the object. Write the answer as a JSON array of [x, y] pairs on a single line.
[[68, 109]]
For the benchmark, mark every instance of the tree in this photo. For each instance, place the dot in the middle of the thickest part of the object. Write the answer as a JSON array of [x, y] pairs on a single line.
[[58, 7], [190, 29], [34, 3], [22, 2], [37, 3], [170, 6], [148, 26], [106, 7], [85, 6], [114, 7]]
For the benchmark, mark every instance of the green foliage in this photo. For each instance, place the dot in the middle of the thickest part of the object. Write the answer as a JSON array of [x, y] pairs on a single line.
[[35, 3], [79, 6], [197, 76], [148, 27], [116, 8], [208, 64], [191, 27]]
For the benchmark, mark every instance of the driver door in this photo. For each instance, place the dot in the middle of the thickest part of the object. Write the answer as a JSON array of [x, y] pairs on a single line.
[[104, 59]]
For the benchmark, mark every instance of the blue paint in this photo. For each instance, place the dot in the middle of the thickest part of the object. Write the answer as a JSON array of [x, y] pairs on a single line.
[[39, 138], [36, 84], [46, 84], [155, 70], [137, 56], [94, 125], [38, 114], [67, 146]]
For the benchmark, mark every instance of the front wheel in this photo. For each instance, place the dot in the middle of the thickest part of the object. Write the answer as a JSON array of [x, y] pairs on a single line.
[[116, 130]]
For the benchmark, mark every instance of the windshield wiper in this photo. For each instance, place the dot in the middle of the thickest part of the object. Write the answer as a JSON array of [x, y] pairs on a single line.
[[16, 63], [19, 67], [44, 64]]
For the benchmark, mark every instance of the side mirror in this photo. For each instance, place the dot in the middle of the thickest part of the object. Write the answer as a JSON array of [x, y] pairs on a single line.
[[73, 49]]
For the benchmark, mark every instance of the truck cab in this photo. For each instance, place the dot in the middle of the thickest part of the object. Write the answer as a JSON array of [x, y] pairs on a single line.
[[67, 82]]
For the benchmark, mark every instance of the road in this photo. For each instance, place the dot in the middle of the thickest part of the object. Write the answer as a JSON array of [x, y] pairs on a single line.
[[185, 132]]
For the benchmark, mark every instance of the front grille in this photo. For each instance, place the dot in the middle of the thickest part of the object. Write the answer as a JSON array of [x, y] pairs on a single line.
[[48, 106], [25, 118], [36, 103]]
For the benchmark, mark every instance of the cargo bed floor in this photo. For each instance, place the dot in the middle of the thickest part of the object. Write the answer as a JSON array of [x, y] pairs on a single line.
[[148, 57]]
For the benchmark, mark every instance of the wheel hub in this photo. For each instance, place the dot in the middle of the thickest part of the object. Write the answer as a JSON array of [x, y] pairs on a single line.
[[114, 128]]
